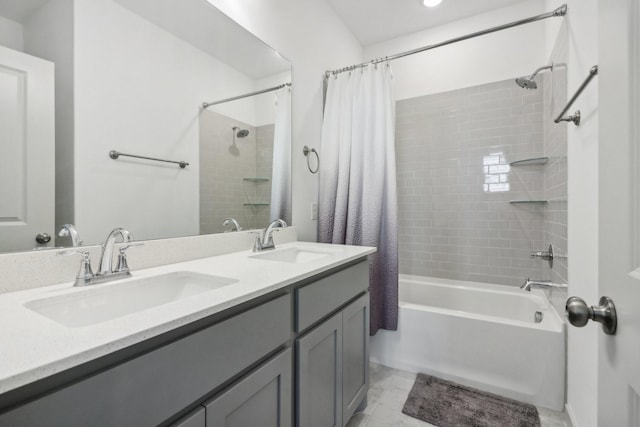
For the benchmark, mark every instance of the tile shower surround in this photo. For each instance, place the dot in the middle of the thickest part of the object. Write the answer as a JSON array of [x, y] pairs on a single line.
[[223, 165], [453, 150]]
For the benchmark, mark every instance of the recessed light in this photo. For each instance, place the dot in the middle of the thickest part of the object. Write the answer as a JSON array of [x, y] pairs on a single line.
[[431, 3]]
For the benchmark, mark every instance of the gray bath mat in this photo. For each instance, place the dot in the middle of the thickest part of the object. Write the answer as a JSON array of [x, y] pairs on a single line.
[[447, 404]]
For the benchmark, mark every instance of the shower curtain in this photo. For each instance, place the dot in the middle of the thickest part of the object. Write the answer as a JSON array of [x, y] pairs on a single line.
[[357, 202], [281, 176]]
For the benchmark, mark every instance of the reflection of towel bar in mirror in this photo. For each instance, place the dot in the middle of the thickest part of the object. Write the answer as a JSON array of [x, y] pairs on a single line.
[[115, 154], [306, 150]]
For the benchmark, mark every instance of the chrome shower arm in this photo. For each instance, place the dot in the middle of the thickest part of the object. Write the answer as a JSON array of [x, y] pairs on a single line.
[[545, 67]]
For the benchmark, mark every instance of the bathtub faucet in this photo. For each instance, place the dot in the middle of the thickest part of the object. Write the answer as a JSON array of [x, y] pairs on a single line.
[[530, 284]]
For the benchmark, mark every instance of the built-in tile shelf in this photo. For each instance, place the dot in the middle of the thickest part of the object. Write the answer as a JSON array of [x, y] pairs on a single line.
[[529, 202], [530, 162], [257, 179]]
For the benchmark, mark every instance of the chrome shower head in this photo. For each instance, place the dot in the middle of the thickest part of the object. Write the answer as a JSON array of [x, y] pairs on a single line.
[[240, 133], [528, 82]]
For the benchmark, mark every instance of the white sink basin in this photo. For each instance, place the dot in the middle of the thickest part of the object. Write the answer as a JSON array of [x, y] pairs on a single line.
[[102, 303], [294, 255]]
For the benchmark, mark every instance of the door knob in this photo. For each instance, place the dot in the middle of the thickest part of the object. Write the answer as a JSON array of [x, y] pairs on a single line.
[[43, 238], [579, 313]]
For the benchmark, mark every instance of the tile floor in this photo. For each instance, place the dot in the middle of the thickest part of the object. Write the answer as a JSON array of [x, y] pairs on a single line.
[[388, 391]]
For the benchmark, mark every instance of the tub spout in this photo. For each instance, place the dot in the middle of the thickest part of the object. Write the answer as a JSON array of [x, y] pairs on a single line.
[[530, 284]]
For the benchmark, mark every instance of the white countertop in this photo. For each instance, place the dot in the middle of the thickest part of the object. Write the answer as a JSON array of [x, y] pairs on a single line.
[[33, 347]]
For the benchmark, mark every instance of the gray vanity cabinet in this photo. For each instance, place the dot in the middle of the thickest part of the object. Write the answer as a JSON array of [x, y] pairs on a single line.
[[333, 367], [261, 399], [235, 369], [151, 388]]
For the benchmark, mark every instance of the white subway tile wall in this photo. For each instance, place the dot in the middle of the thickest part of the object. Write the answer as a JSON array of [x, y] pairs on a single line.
[[455, 184]]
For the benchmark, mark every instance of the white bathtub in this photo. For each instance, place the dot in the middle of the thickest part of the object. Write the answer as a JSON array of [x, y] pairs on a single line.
[[480, 335]]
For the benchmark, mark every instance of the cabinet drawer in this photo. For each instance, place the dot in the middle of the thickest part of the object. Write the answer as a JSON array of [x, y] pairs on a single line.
[[151, 388], [318, 299]]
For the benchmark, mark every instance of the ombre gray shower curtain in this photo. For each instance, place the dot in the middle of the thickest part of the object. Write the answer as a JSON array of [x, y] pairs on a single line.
[[357, 202]]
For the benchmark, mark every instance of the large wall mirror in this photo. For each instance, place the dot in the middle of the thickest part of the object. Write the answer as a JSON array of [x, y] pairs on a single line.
[[80, 79]]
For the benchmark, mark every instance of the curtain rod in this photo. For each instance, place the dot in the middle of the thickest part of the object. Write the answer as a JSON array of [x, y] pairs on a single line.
[[246, 95], [561, 11]]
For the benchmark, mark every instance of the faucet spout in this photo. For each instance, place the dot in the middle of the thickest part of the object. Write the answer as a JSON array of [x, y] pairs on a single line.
[[267, 239], [235, 226], [530, 284], [69, 230], [106, 259]]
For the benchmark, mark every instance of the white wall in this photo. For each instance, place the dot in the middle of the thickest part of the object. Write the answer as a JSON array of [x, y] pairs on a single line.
[[310, 35], [582, 21], [493, 57], [11, 34], [139, 90], [48, 34]]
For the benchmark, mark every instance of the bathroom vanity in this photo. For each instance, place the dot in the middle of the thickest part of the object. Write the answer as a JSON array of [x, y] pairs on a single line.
[[285, 343]]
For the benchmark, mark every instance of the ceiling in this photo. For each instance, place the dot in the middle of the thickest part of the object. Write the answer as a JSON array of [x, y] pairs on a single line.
[[19, 11], [373, 21], [205, 27], [194, 21]]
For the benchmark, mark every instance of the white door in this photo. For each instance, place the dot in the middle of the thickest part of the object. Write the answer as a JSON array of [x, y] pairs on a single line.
[[619, 213], [26, 150]]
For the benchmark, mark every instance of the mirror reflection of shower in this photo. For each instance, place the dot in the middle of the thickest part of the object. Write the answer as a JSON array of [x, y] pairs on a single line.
[[240, 133], [528, 82], [237, 133]]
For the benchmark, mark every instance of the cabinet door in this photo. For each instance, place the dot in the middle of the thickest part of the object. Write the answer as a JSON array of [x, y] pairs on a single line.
[[355, 359], [261, 399], [319, 374], [194, 419]]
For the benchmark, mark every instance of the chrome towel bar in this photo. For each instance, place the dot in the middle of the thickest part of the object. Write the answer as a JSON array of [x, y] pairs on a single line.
[[115, 154], [575, 118]]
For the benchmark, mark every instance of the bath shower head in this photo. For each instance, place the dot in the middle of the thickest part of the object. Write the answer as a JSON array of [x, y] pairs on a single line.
[[528, 82], [240, 133]]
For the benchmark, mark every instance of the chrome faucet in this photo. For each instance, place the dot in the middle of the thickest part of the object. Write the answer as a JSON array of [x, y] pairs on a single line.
[[235, 226], [69, 230], [106, 259], [106, 273], [544, 284], [267, 240]]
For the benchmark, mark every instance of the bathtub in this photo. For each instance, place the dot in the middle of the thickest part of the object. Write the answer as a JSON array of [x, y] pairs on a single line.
[[484, 336]]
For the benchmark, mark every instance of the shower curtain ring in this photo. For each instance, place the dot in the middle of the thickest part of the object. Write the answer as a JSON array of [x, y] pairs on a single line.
[[306, 150]]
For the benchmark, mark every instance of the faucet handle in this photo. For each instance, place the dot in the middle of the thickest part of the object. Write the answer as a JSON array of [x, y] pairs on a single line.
[[257, 242], [130, 245], [69, 252], [123, 265], [85, 274]]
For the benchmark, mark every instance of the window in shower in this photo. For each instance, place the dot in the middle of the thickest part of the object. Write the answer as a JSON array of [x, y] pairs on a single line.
[[496, 173]]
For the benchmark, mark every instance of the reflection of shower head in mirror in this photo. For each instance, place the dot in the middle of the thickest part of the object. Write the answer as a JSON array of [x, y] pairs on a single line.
[[240, 133]]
